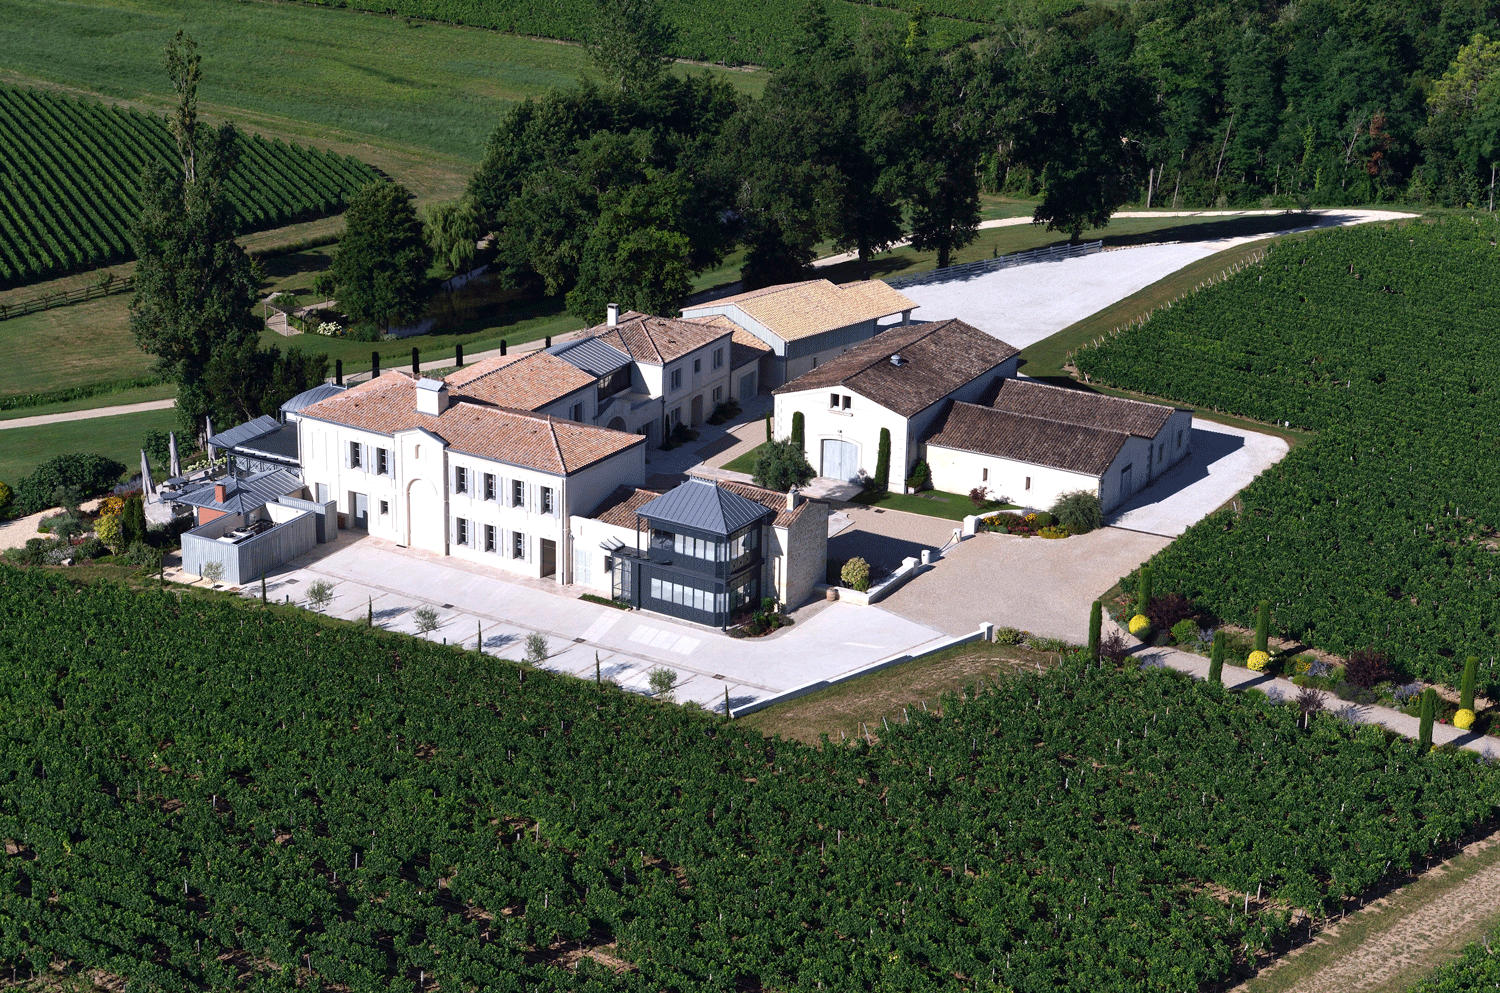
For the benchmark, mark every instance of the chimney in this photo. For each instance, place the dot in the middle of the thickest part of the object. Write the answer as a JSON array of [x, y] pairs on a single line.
[[220, 495], [432, 396], [612, 314], [793, 498]]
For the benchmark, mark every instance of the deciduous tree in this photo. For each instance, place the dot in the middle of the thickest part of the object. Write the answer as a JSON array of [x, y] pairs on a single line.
[[381, 262]]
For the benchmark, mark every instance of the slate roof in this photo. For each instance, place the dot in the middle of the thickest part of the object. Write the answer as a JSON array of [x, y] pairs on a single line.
[[970, 427], [593, 356], [800, 310], [702, 505], [939, 358], [309, 397], [241, 494], [529, 381], [279, 444], [1093, 410], [241, 433], [534, 441], [655, 340]]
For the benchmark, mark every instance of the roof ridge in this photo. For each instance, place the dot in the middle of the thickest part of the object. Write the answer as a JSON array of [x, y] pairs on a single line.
[[1027, 381], [556, 445], [884, 355], [1038, 417]]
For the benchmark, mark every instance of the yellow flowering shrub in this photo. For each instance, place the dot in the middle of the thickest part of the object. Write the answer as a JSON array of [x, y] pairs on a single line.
[[111, 505], [1258, 660], [1464, 719], [107, 527], [1056, 531], [1140, 625]]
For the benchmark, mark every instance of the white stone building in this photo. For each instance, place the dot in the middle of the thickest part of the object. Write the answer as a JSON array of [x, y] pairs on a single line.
[[901, 381], [1035, 442], [415, 465]]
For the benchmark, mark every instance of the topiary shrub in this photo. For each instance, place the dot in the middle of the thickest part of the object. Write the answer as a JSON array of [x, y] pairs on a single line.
[[1466, 687], [1258, 661], [919, 475], [1080, 511], [1464, 719], [856, 575], [1140, 626], [882, 479], [1185, 632], [89, 474]]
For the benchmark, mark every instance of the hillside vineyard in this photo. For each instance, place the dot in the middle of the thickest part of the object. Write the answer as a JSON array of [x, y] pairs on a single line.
[[196, 791], [70, 182], [1381, 531]]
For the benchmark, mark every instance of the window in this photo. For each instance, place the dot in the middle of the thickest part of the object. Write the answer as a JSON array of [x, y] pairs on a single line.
[[675, 418], [744, 545], [1179, 437], [385, 507], [382, 462], [676, 379], [697, 366], [517, 493], [547, 507], [686, 596], [718, 394], [356, 459], [1028, 482], [696, 548], [460, 479], [518, 546], [984, 475], [847, 399], [577, 412], [461, 531], [815, 361], [489, 486], [718, 358], [833, 401], [489, 537], [1161, 451]]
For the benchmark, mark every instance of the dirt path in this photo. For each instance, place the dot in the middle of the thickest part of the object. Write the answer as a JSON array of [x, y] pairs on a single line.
[[85, 415], [1399, 939]]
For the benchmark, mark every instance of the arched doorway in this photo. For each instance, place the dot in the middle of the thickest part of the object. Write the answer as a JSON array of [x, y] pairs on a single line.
[[425, 524], [616, 424]]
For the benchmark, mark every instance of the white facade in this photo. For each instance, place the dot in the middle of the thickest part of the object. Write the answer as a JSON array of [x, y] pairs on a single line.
[[412, 489], [840, 424]]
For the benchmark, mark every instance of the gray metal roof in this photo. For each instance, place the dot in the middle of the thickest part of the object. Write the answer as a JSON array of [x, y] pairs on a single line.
[[310, 397], [703, 505], [281, 444], [249, 431], [593, 356], [241, 494]]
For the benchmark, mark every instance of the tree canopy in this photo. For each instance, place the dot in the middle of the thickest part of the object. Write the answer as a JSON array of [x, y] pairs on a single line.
[[381, 263]]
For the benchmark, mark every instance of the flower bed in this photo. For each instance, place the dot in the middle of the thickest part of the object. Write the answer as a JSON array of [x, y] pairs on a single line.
[[1038, 524]]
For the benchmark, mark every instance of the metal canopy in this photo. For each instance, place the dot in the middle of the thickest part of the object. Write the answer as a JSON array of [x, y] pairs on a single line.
[[241, 495], [703, 505], [593, 356], [249, 431], [315, 395]]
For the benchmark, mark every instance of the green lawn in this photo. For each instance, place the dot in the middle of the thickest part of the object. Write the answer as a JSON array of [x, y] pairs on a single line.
[[22, 449], [745, 463], [315, 70], [932, 503], [82, 344]]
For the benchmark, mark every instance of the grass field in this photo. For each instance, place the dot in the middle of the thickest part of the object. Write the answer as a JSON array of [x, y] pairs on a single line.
[[845, 707], [118, 398], [22, 449], [70, 346], [318, 72]]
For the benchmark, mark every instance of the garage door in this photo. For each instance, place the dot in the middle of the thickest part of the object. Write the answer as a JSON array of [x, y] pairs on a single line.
[[840, 459]]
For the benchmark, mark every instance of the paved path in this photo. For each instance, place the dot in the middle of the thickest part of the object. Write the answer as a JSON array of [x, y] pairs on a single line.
[[827, 640], [86, 415], [1236, 677], [15, 534], [1025, 304]]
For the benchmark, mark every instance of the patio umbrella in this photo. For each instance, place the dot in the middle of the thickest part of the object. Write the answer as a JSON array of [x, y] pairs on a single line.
[[208, 432], [176, 466], [146, 486]]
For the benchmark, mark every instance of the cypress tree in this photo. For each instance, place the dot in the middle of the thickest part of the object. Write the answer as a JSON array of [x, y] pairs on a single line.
[[797, 430], [768, 427], [1216, 660], [1466, 688], [1096, 624], [882, 462], [458, 358], [479, 640], [374, 365], [370, 612], [1143, 591], [416, 361], [1428, 713], [1262, 625], [262, 587]]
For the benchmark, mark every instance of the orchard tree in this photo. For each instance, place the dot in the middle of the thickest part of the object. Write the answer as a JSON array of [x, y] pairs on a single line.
[[381, 263]]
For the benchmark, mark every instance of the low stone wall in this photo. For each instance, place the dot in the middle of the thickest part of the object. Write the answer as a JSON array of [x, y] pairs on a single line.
[[983, 634]]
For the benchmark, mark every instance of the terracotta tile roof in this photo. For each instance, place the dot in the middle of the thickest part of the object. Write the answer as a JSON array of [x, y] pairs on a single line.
[[938, 359], [969, 427], [769, 498], [1094, 410], [529, 381], [745, 348], [389, 404], [656, 340], [800, 310], [620, 506]]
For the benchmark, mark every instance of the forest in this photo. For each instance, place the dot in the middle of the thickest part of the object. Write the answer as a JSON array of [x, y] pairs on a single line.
[[1380, 532], [203, 792]]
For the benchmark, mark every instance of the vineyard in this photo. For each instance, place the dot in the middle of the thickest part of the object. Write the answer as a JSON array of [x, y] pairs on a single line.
[[1381, 532], [735, 33], [204, 793], [70, 173], [1478, 968]]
